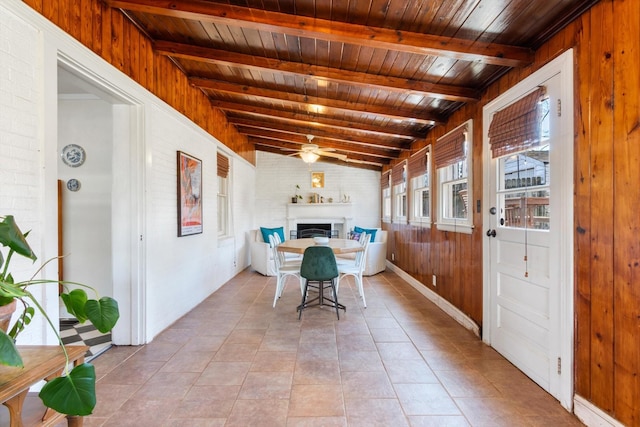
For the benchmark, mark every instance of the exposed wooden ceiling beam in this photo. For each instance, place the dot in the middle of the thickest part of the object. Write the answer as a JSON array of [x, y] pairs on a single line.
[[341, 145], [348, 133], [352, 162], [301, 118], [288, 149], [311, 103], [240, 60], [301, 26]]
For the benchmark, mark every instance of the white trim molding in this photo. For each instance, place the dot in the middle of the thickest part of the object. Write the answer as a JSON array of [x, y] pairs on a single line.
[[442, 303], [591, 415]]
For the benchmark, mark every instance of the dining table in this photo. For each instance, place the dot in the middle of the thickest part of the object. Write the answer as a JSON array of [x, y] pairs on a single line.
[[339, 246]]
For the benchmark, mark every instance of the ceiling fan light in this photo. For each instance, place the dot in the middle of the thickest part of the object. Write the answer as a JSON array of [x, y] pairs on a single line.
[[308, 156]]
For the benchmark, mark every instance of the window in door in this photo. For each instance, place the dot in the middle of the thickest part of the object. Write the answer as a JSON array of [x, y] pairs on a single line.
[[453, 162], [524, 178]]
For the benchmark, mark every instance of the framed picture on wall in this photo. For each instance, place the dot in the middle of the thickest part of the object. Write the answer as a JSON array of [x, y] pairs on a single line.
[[189, 195], [317, 179]]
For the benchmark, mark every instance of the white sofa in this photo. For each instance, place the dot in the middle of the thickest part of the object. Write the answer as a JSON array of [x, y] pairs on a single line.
[[376, 256], [261, 254]]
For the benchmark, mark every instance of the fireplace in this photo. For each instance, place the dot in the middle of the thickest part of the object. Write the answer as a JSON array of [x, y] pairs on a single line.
[[336, 218], [311, 230]]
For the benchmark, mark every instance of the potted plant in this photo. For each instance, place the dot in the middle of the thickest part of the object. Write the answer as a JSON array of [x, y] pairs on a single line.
[[73, 393], [295, 198]]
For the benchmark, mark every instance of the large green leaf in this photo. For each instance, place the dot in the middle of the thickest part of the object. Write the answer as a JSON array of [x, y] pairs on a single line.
[[8, 352], [103, 313], [11, 236], [75, 302], [74, 394]]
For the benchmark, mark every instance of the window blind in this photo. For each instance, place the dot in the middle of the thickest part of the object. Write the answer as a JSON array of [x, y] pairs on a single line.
[[417, 164], [450, 148], [516, 127], [384, 180], [223, 166], [397, 173]]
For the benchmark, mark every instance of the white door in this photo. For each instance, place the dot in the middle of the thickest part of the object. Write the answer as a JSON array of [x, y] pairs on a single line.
[[526, 205]]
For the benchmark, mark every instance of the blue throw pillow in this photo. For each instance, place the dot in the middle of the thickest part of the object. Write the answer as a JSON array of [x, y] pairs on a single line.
[[266, 232], [371, 231]]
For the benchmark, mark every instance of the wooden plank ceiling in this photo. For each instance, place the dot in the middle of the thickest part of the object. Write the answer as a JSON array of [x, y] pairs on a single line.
[[363, 78]]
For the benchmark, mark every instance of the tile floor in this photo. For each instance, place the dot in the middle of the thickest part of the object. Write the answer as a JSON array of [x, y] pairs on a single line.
[[236, 361], [75, 333]]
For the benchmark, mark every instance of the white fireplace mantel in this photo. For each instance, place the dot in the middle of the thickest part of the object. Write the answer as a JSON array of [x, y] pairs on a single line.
[[339, 215]]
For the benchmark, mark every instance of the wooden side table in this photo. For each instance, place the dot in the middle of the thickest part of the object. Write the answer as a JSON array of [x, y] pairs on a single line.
[[42, 362]]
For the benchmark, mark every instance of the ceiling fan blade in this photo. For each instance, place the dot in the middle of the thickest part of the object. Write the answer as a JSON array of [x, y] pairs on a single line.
[[334, 155]]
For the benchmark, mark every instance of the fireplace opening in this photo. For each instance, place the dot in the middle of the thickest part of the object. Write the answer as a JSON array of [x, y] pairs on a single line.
[[312, 230]]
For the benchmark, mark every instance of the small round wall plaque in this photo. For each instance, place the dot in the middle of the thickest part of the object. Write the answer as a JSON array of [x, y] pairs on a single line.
[[73, 155], [73, 184]]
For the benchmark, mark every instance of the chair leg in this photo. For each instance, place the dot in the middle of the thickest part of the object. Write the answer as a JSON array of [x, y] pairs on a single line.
[[361, 290], [278, 291], [304, 298], [335, 297]]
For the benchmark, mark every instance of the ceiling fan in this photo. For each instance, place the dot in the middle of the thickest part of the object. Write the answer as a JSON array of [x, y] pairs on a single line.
[[309, 152]]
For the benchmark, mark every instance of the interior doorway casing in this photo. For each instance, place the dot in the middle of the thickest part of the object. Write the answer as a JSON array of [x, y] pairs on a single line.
[[563, 65], [127, 201]]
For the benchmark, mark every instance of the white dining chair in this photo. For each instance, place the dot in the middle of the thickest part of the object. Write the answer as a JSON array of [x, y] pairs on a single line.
[[284, 268], [355, 268]]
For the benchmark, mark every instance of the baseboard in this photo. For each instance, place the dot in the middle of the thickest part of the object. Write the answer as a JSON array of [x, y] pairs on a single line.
[[444, 305], [591, 415]]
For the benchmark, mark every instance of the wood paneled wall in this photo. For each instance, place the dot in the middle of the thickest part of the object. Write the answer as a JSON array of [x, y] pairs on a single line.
[[606, 42], [110, 35], [607, 181]]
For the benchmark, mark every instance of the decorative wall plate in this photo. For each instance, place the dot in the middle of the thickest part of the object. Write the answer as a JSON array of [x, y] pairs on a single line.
[[73, 155], [73, 184]]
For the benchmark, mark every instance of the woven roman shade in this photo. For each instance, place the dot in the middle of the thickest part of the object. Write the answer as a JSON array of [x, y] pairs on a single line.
[[450, 148], [417, 163], [384, 180], [397, 173], [516, 127], [223, 166]]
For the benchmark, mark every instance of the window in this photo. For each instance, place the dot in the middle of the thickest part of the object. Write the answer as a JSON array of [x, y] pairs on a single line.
[[223, 195], [419, 170], [385, 185], [399, 180], [453, 162], [519, 138]]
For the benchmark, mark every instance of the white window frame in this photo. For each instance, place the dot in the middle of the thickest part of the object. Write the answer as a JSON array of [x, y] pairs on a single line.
[[400, 202], [444, 223], [224, 203], [417, 186], [386, 203]]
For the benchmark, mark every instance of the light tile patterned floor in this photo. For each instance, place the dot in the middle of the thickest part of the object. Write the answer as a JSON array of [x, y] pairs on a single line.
[[236, 361]]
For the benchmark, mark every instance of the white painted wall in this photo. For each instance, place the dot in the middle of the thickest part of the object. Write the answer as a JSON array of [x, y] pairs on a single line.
[[178, 273], [278, 175], [87, 212]]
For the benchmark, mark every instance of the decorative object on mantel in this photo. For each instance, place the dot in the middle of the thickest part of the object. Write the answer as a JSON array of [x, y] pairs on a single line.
[[73, 393], [346, 199], [295, 198]]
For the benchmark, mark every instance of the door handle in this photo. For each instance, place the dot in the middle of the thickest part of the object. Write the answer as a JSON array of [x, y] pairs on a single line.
[[491, 233]]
